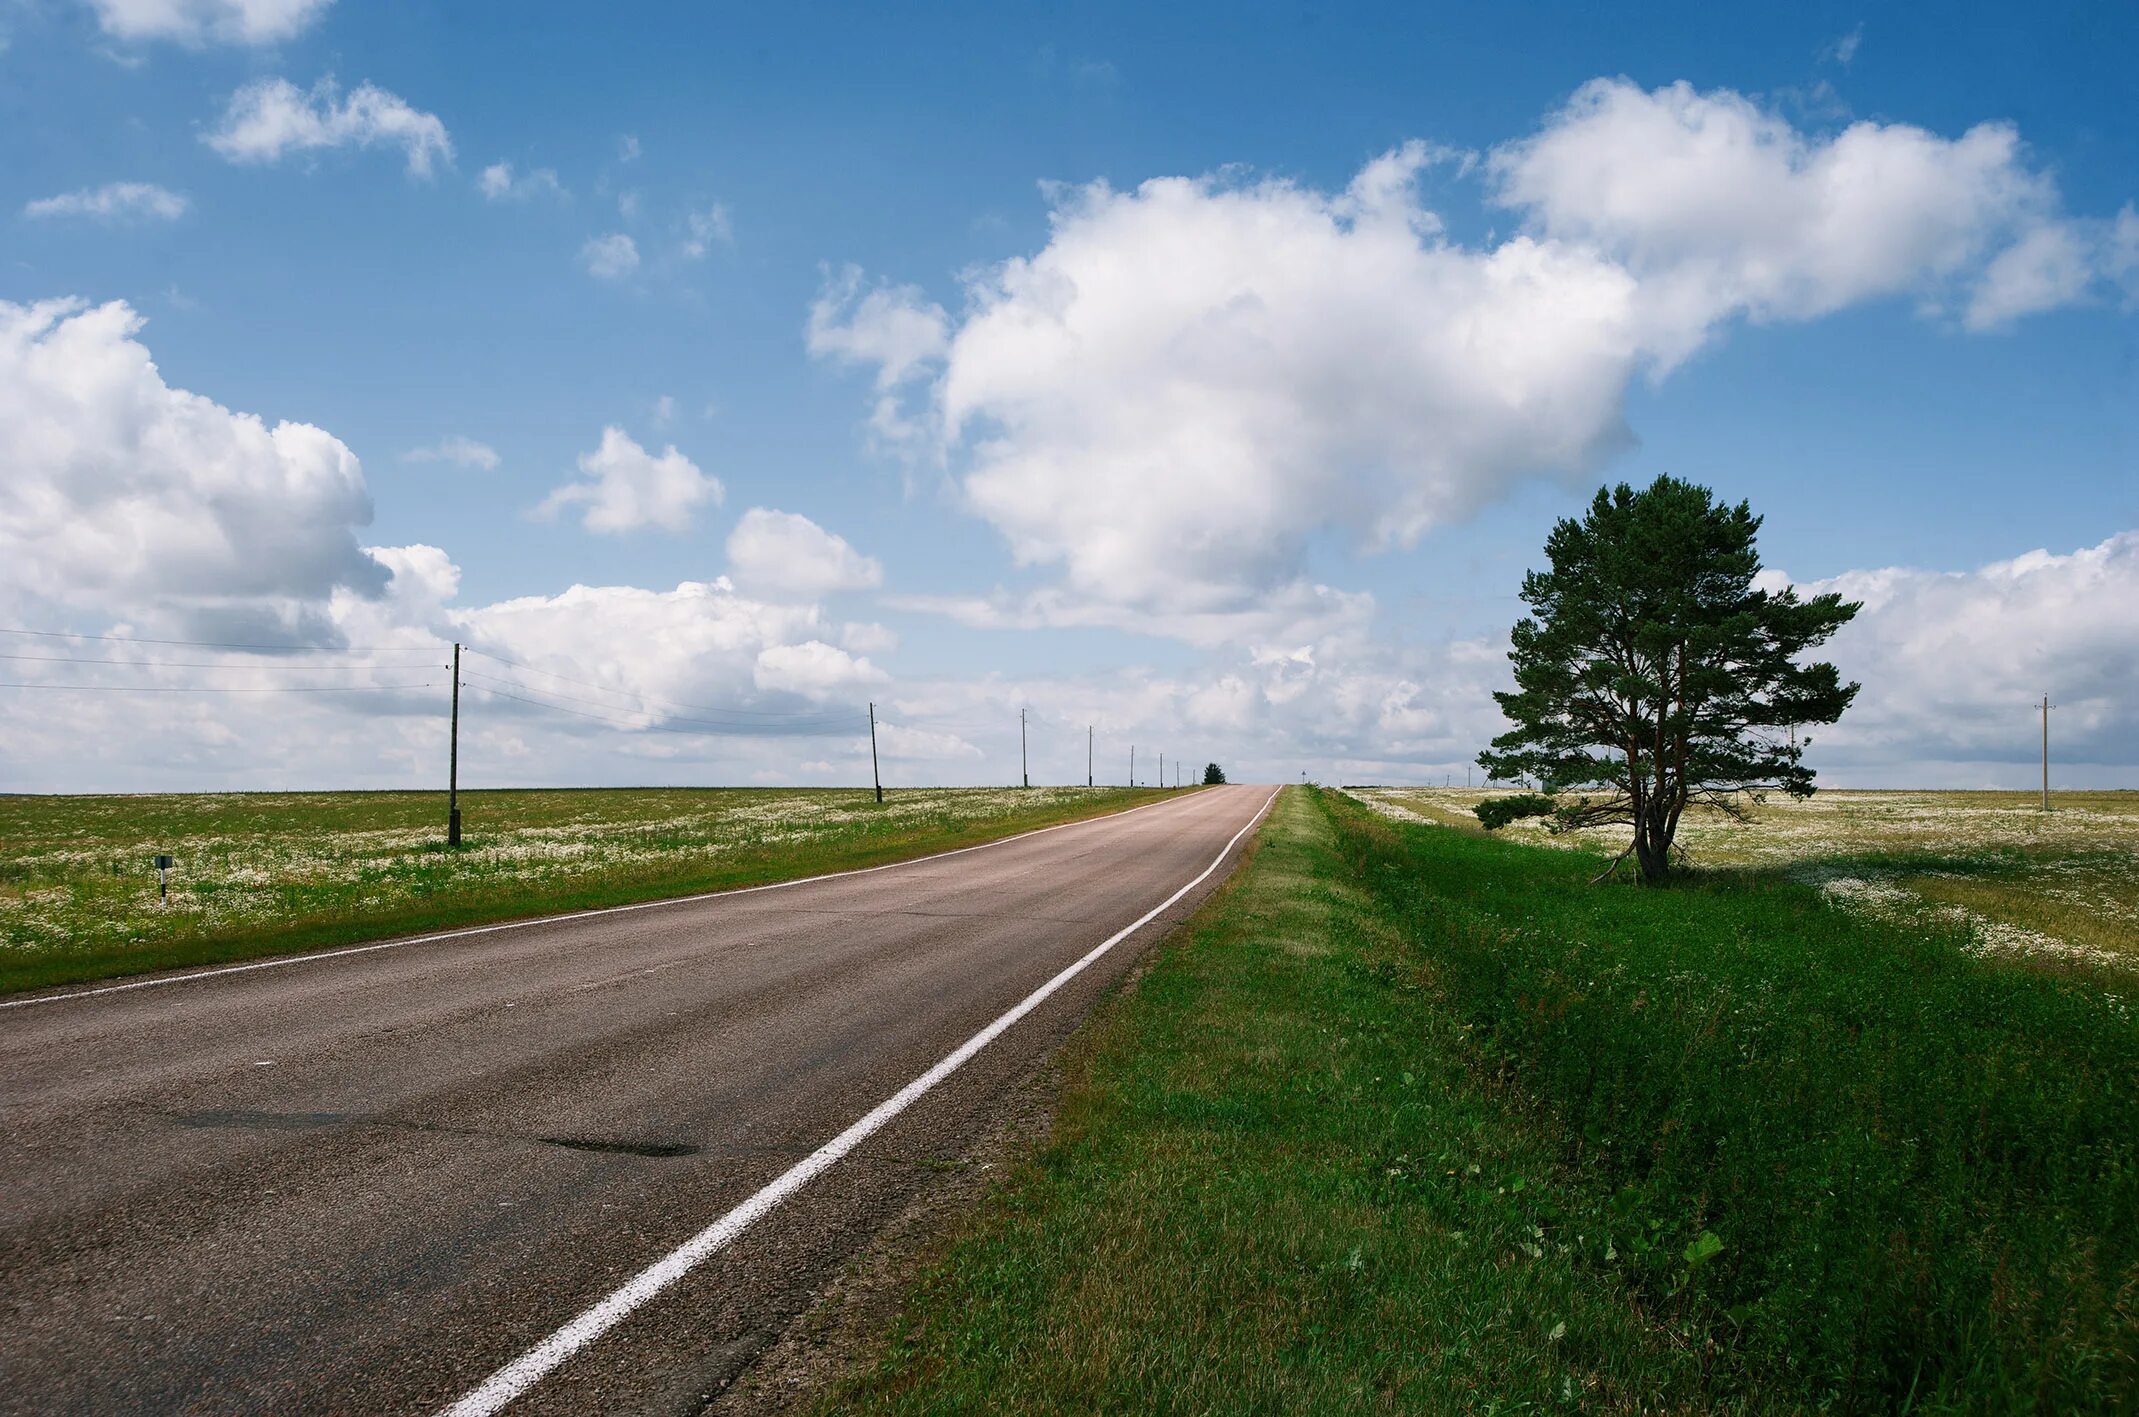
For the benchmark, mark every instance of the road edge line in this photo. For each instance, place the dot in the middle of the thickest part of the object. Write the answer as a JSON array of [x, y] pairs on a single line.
[[522, 1373]]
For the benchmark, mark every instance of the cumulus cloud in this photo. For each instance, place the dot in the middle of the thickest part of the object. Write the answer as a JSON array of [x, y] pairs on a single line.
[[130, 495], [112, 202], [1953, 663], [868, 637], [704, 229], [1720, 207], [271, 117], [624, 487], [610, 257], [462, 452], [895, 328], [1193, 379], [196, 22], [814, 670], [789, 557], [499, 183]]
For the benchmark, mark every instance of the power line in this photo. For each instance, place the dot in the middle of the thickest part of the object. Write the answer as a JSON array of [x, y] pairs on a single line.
[[635, 694], [217, 644], [812, 720], [187, 689], [705, 730], [184, 663]]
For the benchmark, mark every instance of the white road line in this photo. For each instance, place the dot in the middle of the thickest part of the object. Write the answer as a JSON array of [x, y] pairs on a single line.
[[523, 1372], [316, 956]]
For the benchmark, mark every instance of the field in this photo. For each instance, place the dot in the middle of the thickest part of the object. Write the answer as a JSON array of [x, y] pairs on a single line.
[[1411, 1119], [261, 873], [2032, 885]]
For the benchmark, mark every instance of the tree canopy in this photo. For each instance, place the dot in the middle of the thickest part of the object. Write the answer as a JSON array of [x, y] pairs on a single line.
[[1651, 674], [1213, 775]]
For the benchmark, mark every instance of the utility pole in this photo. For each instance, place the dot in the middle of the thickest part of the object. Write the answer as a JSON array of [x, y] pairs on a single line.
[[2046, 752], [1132, 764], [876, 774], [453, 760], [1088, 755], [1024, 772], [1162, 772]]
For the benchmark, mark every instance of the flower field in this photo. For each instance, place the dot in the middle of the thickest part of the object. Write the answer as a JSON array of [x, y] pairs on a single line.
[[259, 872], [2046, 886]]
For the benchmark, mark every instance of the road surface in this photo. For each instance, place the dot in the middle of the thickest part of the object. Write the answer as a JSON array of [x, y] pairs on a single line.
[[367, 1182]]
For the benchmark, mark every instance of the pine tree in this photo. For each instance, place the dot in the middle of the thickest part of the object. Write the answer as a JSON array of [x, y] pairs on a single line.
[[1653, 673]]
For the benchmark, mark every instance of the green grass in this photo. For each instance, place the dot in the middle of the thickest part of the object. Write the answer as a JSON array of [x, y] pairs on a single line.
[[1413, 1120], [270, 873]]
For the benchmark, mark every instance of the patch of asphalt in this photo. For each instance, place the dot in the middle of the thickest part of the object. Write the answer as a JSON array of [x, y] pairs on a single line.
[[848, 1324]]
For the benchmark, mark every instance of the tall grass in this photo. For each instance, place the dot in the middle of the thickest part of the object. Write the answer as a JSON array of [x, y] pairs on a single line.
[[1413, 1120], [1857, 1161]]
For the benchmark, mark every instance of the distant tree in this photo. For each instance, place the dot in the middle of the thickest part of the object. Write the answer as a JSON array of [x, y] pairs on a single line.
[[1213, 775], [1652, 670]]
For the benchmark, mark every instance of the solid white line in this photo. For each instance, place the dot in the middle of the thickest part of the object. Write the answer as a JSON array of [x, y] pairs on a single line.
[[318, 955], [523, 1372]]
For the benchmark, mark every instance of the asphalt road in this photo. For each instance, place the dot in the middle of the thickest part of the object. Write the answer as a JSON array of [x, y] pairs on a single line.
[[363, 1183]]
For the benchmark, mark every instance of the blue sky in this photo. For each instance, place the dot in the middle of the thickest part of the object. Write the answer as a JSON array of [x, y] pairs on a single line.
[[1880, 413]]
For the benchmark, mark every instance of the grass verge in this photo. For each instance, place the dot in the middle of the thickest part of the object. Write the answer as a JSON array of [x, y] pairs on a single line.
[[1412, 1120], [269, 874]]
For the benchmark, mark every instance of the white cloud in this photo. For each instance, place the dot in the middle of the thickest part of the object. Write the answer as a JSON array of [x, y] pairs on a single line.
[[867, 637], [664, 410], [626, 488], [897, 329], [270, 117], [815, 670], [2122, 259], [923, 745], [1720, 207], [1844, 50], [627, 148], [1191, 378], [610, 257], [113, 202], [627, 205], [127, 494], [789, 557], [463, 452], [705, 229], [2049, 267], [1953, 663], [498, 183], [1189, 381], [195, 22]]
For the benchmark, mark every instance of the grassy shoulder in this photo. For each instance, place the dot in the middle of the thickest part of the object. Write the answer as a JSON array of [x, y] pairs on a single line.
[[1412, 1120], [263, 874]]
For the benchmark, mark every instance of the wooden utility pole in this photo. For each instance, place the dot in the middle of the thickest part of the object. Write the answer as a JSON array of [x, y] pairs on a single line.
[[2046, 752], [1088, 755], [876, 774], [1024, 772], [1132, 764], [1162, 772], [453, 760]]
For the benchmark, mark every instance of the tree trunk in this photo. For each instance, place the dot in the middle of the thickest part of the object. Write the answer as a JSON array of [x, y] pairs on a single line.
[[1652, 843]]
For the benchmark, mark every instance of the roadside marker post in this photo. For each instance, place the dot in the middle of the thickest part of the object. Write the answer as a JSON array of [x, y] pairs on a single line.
[[163, 884]]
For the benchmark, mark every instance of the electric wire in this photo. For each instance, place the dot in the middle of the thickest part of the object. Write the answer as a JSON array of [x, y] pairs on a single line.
[[816, 719], [217, 644], [225, 689], [633, 693], [711, 731], [192, 663]]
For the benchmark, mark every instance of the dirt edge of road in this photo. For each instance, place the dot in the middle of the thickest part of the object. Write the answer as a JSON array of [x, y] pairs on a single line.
[[845, 1327]]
